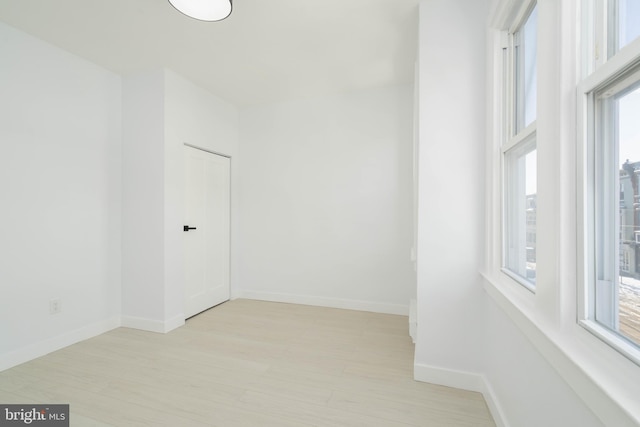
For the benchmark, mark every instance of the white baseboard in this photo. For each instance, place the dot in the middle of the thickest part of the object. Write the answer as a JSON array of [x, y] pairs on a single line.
[[151, 325], [493, 403], [348, 304], [50, 345], [466, 381], [448, 377], [413, 320], [173, 323]]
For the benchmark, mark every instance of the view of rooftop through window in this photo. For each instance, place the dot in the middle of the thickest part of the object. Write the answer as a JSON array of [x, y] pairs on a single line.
[[628, 130]]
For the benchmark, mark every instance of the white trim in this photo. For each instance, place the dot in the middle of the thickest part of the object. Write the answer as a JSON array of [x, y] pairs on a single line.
[[152, 325], [522, 15], [466, 381], [519, 279], [504, 13], [448, 377], [527, 133], [228, 156], [413, 320], [41, 348], [174, 323], [628, 349], [491, 398], [626, 58], [143, 324], [347, 304]]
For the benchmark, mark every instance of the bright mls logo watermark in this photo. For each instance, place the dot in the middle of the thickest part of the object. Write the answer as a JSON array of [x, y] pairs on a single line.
[[34, 415]]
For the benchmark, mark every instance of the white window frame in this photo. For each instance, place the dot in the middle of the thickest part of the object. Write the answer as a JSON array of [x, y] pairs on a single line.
[[518, 141], [601, 72]]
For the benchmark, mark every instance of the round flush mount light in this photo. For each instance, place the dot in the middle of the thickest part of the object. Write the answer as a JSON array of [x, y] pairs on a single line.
[[204, 10]]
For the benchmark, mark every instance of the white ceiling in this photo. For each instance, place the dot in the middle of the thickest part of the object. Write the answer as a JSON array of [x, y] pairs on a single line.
[[266, 51]]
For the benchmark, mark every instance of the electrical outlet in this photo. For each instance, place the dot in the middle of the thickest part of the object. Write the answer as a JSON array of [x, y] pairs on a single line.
[[55, 306]]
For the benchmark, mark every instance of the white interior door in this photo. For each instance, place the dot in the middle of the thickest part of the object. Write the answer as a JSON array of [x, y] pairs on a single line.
[[206, 230]]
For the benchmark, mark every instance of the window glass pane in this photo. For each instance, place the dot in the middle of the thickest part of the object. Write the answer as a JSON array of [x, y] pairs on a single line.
[[627, 129], [625, 23], [521, 208], [617, 282], [526, 71]]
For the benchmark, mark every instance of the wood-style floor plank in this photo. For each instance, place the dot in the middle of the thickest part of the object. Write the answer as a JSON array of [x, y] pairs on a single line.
[[247, 363]]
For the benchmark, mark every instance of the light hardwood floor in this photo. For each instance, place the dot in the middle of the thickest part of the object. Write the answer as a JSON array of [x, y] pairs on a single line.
[[247, 363]]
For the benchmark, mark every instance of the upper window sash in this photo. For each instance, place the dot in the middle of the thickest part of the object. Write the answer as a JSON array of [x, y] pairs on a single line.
[[520, 72], [609, 26]]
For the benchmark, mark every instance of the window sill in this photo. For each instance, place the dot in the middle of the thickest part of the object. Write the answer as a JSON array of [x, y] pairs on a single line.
[[606, 381], [521, 280], [620, 344]]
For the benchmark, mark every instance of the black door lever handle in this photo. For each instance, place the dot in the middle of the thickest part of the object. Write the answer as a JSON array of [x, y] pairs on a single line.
[[187, 228]]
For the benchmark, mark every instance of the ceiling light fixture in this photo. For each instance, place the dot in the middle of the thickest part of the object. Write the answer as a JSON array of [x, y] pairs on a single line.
[[204, 10]]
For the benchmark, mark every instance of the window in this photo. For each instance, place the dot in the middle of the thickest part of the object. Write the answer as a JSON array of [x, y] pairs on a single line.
[[519, 150], [612, 99], [616, 172]]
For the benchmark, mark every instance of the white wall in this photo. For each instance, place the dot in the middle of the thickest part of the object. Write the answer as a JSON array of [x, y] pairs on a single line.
[[143, 200], [162, 112], [60, 196], [451, 193], [528, 388], [326, 194]]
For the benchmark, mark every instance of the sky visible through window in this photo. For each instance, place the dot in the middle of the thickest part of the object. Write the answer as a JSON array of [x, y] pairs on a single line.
[[628, 18], [629, 126], [531, 178]]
